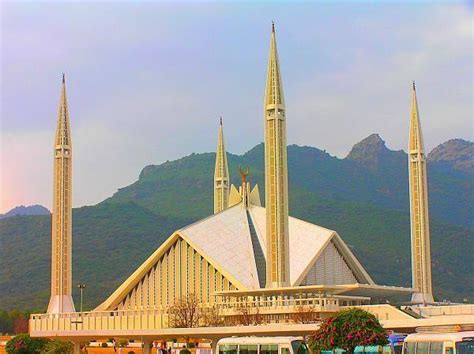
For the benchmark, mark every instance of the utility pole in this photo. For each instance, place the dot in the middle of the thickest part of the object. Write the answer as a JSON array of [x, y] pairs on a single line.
[[81, 289]]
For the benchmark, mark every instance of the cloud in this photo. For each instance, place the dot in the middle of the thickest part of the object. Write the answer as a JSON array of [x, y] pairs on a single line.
[[146, 82]]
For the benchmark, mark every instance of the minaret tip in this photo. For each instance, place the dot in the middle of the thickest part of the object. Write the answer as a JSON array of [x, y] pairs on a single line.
[[413, 85], [64, 78], [220, 120], [273, 27]]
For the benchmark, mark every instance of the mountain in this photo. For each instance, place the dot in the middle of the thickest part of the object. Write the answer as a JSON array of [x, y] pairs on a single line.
[[372, 151], [457, 153], [363, 196], [29, 210]]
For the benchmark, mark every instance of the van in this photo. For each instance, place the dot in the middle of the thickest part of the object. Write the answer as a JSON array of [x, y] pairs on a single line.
[[262, 345]]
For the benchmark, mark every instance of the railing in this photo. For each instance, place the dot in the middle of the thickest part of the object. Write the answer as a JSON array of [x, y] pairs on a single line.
[[441, 310], [289, 304], [99, 320], [276, 309]]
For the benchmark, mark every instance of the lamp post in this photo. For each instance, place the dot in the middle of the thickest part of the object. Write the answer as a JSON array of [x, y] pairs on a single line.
[[81, 289]]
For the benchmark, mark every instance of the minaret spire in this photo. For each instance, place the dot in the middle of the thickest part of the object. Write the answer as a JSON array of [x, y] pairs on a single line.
[[276, 174], [221, 174], [419, 215], [61, 231]]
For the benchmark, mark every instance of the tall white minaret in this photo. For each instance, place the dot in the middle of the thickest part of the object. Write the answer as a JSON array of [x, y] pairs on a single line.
[[420, 226], [221, 174], [276, 175], [61, 232]]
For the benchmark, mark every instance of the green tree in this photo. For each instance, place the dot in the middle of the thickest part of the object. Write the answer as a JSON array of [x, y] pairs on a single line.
[[58, 347], [24, 344], [347, 330]]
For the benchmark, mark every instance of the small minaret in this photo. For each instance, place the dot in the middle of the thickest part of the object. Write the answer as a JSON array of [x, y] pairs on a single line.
[[420, 227], [276, 174], [61, 233], [221, 174]]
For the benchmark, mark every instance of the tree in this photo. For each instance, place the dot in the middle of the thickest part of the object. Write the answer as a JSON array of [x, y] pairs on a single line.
[[20, 324], [347, 330], [212, 317], [304, 314], [58, 347], [249, 316], [24, 344], [185, 313]]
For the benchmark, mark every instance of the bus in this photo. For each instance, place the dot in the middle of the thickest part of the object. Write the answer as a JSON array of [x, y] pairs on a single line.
[[394, 347], [262, 345], [461, 342]]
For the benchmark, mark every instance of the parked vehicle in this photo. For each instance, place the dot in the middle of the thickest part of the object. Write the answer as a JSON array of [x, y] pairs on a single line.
[[262, 345], [426, 342]]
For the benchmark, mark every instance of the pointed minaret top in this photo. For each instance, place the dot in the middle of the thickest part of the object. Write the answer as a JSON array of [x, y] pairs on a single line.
[[416, 137], [220, 120], [274, 88], [63, 134]]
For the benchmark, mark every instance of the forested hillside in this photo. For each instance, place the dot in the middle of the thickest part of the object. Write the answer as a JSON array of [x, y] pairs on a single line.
[[364, 197]]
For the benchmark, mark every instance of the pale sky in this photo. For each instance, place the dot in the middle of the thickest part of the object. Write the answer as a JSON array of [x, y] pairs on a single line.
[[147, 81]]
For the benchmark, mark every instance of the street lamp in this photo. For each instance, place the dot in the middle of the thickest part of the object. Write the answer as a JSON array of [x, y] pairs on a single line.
[[81, 289]]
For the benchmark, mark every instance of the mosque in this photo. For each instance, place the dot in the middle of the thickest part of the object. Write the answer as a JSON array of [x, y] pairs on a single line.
[[246, 250], [246, 254]]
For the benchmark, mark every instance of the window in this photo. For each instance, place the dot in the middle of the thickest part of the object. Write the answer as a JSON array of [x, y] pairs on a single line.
[[423, 348], [248, 349], [464, 347], [410, 348], [436, 348], [228, 349], [269, 349], [299, 347]]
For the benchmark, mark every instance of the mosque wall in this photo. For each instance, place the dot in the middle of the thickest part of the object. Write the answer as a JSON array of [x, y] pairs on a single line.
[[181, 270], [330, 269]]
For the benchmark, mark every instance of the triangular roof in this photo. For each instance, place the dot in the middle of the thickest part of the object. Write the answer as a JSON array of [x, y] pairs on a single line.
[[225, 240]]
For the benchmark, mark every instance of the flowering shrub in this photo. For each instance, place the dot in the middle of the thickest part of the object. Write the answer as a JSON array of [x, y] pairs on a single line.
[[347, 330], [24, 344]]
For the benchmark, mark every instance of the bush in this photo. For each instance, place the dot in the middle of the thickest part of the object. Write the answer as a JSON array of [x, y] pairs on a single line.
[[131, 352], [24, 344], [348, 329], [122, 343], [184, 351], [104, 345], [59, 347]]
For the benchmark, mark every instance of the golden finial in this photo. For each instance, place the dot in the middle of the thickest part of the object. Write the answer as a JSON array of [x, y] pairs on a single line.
[[244, 173]]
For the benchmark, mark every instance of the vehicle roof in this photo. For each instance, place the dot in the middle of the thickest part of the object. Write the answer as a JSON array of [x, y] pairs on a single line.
[[453, 336], [258, 340]]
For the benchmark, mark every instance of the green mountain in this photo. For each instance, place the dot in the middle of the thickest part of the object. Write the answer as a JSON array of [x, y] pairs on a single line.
[[25, 210], [363, 196]]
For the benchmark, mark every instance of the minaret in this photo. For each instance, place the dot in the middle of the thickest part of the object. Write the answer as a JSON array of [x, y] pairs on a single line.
[[61, 233], [276, 175], [221, 174], [420, 228]]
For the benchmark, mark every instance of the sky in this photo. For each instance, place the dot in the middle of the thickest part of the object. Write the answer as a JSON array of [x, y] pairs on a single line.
[[147, 82]]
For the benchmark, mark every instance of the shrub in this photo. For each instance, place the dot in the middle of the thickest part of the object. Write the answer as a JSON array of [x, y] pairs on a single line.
[[131, 352], [104, 345], [59, 347], [348, 329], [24, 344], [184, 351], [122, 343]]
